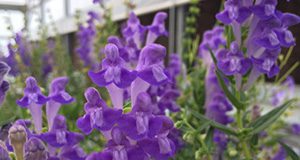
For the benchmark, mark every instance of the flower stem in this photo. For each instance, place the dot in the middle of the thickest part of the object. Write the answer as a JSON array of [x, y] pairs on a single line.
[[243, 143]]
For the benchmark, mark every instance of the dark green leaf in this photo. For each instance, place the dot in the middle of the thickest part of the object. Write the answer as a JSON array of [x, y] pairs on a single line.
[[238, 104], [209, 138], [216, 125], [290, 152], [268, 119]]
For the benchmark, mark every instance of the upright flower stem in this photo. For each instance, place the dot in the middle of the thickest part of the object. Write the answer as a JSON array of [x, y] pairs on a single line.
[[243, 143]]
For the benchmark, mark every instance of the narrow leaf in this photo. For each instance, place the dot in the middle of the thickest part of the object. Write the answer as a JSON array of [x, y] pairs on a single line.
[[209, 138], [214, 124], [238, 104], [268, 119], [290, 152]]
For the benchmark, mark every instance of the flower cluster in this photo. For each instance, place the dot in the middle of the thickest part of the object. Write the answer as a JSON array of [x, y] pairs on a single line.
[[4, 85], [268, 32], [61, 143], [142, 131], [216, 104], [86, 35]]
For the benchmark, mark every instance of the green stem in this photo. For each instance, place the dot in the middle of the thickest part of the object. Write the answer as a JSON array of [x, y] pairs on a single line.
[[243, 143]]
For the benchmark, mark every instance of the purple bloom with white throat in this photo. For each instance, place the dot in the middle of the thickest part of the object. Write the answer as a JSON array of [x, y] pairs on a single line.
[[97, 114], [113, 70], [57, 97], [59, 136], [114, 75], [150, 69], [157, 28], [33, 100]]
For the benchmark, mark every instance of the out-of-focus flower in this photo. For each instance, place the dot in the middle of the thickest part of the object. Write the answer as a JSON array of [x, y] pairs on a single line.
[[86, 35], [4, 85], [97, 114], [3, 152], [33, 100], [157, 28], [212, 40], [296, 128], [57, 97], [280, 155], [23, 48], [11, 60]]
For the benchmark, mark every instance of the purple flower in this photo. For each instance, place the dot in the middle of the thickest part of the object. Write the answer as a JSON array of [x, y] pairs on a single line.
[[86, 35], [150, 69], [3, 152], [33, 100], [4, 85], [217, 108], [57, 96], [35, 149], [160, 147], [220, 139], [114, 75], [97, 1], [141, 119], [233, 62], [212, 40], [72, 152], [168, 101], [97, 114], [113, 70], [11, 60], [235, 11], [23, 48], [296, 129], [134, 31], [59, 136], [119, 148], [157, 28], [280, 155]]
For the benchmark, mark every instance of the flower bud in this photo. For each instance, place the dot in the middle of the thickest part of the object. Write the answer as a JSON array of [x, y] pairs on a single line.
[[35, 149], [17, 137]]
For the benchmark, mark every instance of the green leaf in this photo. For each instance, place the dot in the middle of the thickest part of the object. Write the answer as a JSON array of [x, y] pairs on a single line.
[[209, 138], [238, 104], [214, 124], [290, 152], [268, 119]]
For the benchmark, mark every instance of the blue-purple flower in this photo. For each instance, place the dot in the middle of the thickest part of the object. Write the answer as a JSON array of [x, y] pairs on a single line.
[[35, 149], [33, 99], [57, 97], [3, 152], [59, 136], [157, 28], [113, 70], [97, 114], [232, 62], [4, 85]]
